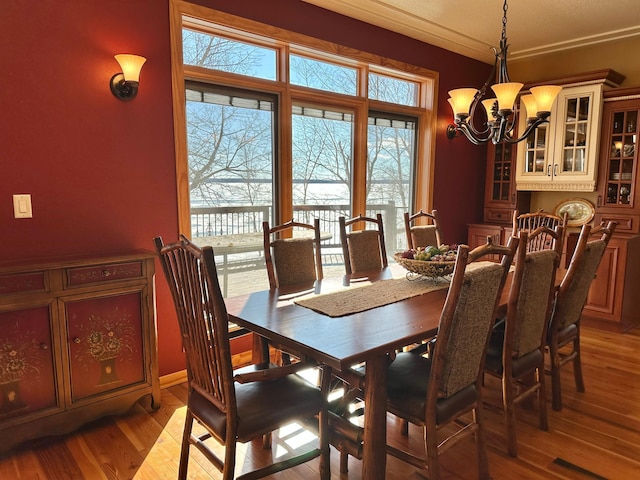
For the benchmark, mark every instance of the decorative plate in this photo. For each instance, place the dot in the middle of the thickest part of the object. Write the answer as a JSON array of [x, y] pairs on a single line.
[[580, 211]]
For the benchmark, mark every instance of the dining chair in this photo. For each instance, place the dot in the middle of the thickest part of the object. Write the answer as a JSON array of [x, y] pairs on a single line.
[[517, 345], [363, 249], [530, 221], [293, 260], [293, 264], [422, 235], [437, 391], [232, 406], [564, 327]]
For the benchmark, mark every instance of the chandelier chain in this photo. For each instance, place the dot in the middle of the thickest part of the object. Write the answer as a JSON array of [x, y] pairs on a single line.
[[504, 20]]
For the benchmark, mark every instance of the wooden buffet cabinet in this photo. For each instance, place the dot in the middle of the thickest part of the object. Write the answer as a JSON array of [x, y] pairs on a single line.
[[77, 342], [613, 302]]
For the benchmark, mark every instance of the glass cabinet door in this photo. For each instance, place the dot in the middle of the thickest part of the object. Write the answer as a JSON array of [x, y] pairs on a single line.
[[621, 158], [501, 182], [536, 151], [575, 134]]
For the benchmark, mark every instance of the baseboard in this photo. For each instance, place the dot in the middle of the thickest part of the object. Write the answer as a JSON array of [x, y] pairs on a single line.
[[176, 378], [173, 379]]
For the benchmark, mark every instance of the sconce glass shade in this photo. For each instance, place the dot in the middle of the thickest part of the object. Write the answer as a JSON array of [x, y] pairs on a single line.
[[125, 85], [131, 66], [545, 96], [461, 99], [506, 94]]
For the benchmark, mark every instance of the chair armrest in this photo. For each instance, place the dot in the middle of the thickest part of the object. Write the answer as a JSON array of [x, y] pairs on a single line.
[[254, 373]]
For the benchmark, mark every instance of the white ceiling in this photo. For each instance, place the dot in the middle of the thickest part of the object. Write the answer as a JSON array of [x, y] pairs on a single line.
[[472, 27]]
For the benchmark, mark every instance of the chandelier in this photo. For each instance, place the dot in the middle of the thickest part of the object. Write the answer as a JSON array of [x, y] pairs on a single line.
[[501, 116]]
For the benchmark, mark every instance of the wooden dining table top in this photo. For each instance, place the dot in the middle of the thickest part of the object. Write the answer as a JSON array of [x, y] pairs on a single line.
[[339, 341]]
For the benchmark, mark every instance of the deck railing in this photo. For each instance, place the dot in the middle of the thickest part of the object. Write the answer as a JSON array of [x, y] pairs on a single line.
[[209, 221], [214, 221]]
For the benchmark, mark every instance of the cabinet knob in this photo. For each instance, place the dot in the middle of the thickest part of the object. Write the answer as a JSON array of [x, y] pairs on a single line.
[[106, 273], [76, 340], [44, 346]]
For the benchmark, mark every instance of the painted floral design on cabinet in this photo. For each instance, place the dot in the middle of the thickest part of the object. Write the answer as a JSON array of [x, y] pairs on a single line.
[[106, 343], [26, 367]]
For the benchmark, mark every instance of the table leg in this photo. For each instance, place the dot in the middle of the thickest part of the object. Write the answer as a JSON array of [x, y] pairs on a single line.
[[374, 455]]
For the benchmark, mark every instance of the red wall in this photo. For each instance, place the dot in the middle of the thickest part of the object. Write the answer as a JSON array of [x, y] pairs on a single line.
[[101, 172]]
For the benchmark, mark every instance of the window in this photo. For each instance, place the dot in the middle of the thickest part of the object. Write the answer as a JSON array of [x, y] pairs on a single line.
[[393, 90], [218, 53], [322, 75], [390, 163], [271, 128]]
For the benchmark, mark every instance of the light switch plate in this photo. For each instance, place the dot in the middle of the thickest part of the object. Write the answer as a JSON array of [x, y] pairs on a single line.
[[22, 206]]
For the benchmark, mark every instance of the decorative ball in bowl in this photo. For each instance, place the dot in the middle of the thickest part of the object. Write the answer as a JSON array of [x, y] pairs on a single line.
[[429, 261]]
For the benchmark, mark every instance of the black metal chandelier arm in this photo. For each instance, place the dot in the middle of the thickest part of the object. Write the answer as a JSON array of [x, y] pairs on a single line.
[[531, 126], [474, 136]]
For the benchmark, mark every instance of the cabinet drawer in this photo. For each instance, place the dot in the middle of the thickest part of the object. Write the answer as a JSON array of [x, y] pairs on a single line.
[[31, 282], [626, 223], [498, 215], [103, 273]]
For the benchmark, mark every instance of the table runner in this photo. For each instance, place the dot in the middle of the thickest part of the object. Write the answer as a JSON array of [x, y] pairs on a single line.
[[361, 298]]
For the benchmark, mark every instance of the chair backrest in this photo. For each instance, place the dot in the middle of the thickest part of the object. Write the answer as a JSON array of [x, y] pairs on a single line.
[[422, 235], [203, 320], [531, 295], [573, 291], [467, 318], [293, 260], [363, 249], [530, 221]]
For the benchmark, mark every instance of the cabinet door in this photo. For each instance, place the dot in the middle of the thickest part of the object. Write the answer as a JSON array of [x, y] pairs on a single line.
[[605, 295], [106, 349], [477, 235], [617, 187], [27, 376], [563, 154]]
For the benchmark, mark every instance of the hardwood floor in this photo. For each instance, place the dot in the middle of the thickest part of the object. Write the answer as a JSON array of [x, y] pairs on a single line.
[[596, 436]]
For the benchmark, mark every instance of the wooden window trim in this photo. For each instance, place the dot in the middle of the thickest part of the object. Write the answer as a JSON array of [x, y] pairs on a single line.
[[187, 14]]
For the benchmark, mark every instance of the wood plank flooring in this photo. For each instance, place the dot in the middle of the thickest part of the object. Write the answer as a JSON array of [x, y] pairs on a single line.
[[596, 436]]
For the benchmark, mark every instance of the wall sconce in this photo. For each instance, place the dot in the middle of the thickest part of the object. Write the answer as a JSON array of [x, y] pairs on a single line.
[[125, 85]]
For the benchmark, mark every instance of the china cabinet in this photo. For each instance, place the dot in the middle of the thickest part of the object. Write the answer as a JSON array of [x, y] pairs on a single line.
[[77, 342], [562, 155], [617, 186], [613, 300]]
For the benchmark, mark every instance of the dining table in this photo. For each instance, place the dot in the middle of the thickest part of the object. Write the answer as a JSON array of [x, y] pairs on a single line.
[[367, 336]]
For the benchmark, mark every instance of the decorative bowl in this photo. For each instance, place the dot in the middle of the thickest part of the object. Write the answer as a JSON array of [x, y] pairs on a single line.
[[425, 268]]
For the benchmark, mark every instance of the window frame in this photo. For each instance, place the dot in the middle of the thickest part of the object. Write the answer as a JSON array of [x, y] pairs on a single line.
[[187, 15]]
